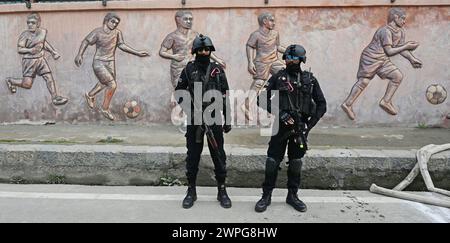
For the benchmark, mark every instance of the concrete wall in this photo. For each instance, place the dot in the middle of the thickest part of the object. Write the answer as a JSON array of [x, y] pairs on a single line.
[[349, 169], [333, 32]]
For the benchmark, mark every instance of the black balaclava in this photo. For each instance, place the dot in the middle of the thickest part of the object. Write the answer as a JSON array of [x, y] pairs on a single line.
[[293, 68], [203, 61]]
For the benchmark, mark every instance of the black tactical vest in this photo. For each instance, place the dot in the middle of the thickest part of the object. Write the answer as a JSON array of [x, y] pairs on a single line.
[[210, 81], [296, 93]]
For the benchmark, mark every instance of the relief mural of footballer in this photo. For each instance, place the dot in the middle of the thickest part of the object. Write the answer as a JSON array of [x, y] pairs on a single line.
[[32, 45], [106, 39], [387, 41]]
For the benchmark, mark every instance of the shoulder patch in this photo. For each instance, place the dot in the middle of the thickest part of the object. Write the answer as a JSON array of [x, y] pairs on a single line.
[[215, 71]]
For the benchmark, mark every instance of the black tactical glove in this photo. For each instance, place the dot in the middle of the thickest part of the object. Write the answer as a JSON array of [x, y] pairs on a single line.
[[226, 128], [286, 118]]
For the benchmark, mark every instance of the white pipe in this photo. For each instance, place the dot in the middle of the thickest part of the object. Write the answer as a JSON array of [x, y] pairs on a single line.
[[408, 196]]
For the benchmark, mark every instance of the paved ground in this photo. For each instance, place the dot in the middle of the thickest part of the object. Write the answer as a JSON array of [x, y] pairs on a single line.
[[167, 135], [72, 203], [69, 203]]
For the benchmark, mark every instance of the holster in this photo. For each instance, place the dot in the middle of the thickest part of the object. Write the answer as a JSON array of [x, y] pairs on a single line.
[[298, 133]]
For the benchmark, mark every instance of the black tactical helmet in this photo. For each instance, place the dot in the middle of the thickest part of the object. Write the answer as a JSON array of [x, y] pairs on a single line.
[[296, 52], [202, 41]]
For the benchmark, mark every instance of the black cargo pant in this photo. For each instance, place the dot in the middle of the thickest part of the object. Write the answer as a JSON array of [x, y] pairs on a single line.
[[194, 151], [275, 154]]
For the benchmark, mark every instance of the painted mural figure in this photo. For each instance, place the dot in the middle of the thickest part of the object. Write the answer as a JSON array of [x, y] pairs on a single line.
[[262, 49], [106, 39], [32, 45], [388, 41]]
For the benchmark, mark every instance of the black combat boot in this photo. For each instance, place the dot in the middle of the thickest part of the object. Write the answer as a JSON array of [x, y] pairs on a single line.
[[292, 199], [222, 196], [190, 198], [264, 202]]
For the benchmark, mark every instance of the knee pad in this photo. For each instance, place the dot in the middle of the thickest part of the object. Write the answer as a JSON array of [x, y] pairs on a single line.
[[271, 166], [295, 166]]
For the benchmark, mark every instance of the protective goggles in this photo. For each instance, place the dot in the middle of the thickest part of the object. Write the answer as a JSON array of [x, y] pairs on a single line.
[[295, 58], [201, 49]]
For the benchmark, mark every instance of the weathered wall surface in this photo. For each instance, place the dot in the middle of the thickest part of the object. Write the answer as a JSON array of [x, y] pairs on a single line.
[[348, 169], [333, 36]]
